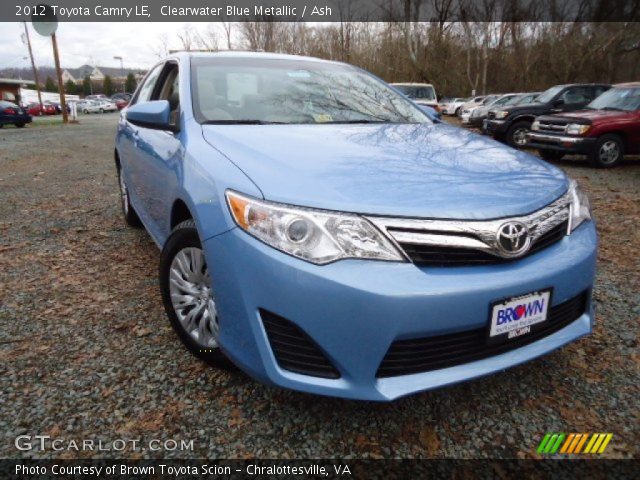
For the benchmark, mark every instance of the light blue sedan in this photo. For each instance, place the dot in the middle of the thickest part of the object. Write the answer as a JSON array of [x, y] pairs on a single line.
[[322, 233]]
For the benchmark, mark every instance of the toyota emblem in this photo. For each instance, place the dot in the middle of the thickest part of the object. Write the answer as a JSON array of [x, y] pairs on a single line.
[[513, 238]]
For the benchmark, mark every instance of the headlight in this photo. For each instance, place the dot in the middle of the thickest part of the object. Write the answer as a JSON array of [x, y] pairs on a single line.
[[577, 129], [316, 236], [580, 210], [502, 114], [535, 125]]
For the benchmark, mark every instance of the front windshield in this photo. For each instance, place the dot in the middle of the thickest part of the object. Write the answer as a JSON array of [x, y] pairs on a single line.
[[502, 101], [626, 99], [514, 100], [418, 92], [254, 90], [547, 95]]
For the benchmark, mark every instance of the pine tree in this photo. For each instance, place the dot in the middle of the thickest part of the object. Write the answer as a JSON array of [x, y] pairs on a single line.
[[130, 84], [86, 86], [108, 86], [70, 87], [50, 85]]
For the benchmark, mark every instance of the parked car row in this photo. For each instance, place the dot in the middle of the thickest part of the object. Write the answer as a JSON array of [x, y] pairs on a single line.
[[596, 120]]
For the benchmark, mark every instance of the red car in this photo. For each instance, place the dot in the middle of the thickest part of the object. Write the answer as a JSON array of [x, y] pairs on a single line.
[[121, 103], [606, 130], [46, 109]]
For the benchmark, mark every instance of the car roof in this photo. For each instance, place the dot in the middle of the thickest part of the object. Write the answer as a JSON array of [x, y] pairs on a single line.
[[582, 85], [412, 84], [249, 54], [627, 85]]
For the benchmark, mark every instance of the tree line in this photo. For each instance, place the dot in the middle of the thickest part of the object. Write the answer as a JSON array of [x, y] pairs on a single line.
[[89, 87], [457, 57]]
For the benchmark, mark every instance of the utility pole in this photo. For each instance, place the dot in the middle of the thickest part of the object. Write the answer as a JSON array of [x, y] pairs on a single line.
[[33, 64], [56, 57]]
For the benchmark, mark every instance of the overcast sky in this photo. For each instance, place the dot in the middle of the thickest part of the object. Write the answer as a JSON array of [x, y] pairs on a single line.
[[92, 43]]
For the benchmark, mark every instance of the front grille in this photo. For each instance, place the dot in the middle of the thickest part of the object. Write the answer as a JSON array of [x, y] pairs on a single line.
[[550, 127], [294, 349], [440, 256], [406, 357]]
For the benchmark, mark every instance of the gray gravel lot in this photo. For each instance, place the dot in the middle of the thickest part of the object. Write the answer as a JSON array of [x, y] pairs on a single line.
[[86, 350]]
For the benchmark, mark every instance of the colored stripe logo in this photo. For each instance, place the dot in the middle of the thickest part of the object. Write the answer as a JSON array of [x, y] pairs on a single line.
[[574, 443]]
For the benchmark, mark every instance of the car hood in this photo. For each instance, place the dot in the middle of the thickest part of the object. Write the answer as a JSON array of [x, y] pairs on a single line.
[[414, 170], [589, 116]]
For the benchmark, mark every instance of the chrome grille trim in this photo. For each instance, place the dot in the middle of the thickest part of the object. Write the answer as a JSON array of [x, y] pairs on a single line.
[[552, 127], [479, 235]]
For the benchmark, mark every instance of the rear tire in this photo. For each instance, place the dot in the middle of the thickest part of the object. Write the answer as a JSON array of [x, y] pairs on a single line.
[[516, 134], [185, 285], [551, 155], [457, 113], [129, 213], [608, 152], [19, 125]]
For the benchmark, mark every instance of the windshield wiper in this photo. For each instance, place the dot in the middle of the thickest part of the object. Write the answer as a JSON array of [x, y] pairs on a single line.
[[358, 121], [240, 122], [613, 108]]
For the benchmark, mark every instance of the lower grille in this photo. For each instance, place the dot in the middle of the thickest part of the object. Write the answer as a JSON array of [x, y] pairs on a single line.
[[405, 357], [439, 256], [295, 350]]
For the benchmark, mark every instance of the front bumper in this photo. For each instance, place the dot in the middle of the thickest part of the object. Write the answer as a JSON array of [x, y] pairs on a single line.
[[475, 121], [495, 127], [354, 310], [561, 143]]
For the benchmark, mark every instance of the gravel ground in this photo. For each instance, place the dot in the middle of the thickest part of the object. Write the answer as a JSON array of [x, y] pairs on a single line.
[[86, 350]]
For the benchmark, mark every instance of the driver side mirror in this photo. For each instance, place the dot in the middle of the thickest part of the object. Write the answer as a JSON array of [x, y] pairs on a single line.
[[155, 115]]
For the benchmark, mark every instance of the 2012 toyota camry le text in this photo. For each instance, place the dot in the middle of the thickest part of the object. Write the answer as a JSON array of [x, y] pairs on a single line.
[[324, 234]]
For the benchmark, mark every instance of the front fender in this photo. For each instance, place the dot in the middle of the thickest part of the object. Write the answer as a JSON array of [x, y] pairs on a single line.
[[206, 175]]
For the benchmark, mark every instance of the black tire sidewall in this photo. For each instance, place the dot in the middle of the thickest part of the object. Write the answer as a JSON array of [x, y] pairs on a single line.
[[513, 128], [184, 235], [594, 157], [130, 216]]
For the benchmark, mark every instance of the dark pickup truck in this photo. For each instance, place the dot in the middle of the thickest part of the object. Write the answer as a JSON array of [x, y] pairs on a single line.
[[511, 124], [604, 131]]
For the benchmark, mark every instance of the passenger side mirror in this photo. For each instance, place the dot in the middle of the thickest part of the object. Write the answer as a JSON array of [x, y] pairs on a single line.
[[558, 102], [155, 115]]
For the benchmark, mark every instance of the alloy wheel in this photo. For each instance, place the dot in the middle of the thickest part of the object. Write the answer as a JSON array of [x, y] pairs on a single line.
[[192, 297], [520, 137], [609, 152]]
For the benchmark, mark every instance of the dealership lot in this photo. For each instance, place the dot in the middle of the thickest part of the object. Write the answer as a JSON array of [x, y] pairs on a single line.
[[86, 351]]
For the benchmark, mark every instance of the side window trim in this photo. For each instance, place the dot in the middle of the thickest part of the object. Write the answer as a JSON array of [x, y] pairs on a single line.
[[144, 81]]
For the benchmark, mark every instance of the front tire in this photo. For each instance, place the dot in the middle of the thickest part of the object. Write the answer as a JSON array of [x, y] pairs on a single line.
[[129, 213], [516, 135], [457, 113], [187, 295], [608, 152]]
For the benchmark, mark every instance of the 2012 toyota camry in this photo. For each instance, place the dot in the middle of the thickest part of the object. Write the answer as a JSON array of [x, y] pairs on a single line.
[[324, 234]]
